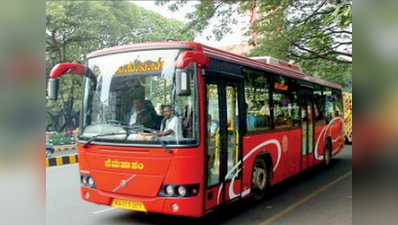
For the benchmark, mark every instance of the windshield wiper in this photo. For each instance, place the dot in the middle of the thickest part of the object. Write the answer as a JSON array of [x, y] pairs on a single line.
[[148, 130], [93, 138]]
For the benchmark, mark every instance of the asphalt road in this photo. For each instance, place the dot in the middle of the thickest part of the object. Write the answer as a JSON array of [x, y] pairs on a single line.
[[318, 196]]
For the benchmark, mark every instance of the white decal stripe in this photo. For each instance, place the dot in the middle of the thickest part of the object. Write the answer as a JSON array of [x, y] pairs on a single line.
[[219, 193], [258, 147], [231, 193], [246, 192], [337, 139], [317, 144], [323, 134]]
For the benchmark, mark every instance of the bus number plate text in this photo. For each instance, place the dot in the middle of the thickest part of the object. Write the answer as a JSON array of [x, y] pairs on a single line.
[[131, 205]]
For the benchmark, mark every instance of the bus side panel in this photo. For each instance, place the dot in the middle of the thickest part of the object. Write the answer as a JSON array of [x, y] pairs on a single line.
[[337, 136], [83, 163], [336, 132], [320, 137], [285, 150]]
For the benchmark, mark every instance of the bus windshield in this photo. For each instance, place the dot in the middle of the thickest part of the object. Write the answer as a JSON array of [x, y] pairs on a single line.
[[138, 89]]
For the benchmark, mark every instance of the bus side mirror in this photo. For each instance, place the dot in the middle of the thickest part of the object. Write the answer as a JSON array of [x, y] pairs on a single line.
[[186, 58], [53, 87], [63, 68], [185, 69], [183, 82]]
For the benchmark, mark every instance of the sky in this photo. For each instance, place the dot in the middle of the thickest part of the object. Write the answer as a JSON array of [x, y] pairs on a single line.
[[236, 37]]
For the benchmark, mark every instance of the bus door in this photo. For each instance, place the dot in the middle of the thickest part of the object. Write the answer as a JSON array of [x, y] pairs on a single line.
[[223, 145], [307, 127]]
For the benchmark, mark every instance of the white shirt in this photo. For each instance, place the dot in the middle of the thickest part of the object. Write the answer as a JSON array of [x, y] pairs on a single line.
[[173, 124], [265, 110], [133, 118]]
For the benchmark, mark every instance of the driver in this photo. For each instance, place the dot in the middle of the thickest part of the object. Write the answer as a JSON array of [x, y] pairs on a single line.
[[141, 116]]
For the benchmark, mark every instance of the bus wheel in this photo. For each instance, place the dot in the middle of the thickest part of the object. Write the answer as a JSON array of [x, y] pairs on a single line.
[[328, 153], [261, 179]]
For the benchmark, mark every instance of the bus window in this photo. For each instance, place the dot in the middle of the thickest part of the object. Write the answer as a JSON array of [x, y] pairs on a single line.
[[213, 135], [338, 103], [257, 101], [334, 103], [285, 103], [319, 106], [233, 127], [130, 86]]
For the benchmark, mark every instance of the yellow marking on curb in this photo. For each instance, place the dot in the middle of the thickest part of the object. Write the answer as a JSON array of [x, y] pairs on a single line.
[[72, 159], [47, 163], [59, 161], [304, 200]]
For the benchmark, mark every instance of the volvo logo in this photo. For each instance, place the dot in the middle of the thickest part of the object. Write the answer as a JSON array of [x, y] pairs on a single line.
[[124, 183]]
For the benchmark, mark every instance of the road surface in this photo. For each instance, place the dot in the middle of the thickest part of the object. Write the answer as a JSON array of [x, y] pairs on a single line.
[[317, 196]]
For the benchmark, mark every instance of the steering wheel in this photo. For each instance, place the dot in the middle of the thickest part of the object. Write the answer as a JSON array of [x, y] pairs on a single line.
[[114, 122]]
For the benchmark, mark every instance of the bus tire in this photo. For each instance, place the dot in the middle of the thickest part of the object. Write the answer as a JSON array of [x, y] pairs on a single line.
[[261, 179], [328, 152]]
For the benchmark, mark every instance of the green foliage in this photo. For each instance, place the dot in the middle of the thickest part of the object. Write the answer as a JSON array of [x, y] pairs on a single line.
[[199, 20], [342, 15], [332, 71], [315, 34], [60, 139], [74, 29]]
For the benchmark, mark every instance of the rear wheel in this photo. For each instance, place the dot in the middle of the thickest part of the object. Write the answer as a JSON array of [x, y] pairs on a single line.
[[261, 179], [328, 153]]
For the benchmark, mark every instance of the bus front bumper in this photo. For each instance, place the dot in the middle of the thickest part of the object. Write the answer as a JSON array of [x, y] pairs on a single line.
[[190, 207]]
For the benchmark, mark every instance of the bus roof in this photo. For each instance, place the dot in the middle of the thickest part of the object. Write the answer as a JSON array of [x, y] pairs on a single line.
[[218, 54]]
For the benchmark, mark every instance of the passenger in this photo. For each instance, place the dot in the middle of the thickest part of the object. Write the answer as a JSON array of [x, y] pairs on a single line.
[[154, 117], [160, 116], [252, 115], [212, 126], [265, 115], [187, 122], [171, 125], [253, 106], [264, 111]]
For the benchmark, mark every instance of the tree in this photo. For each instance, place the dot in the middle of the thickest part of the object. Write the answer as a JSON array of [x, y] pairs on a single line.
[[315, 34], [75, 28]]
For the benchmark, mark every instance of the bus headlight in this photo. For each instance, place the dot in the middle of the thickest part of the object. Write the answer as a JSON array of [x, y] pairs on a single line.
[[90, 182], [87, 181], [182, 191], [84, 181], [179, 191], [170, 190]]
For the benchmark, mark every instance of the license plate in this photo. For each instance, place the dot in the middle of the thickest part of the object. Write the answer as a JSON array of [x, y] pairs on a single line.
[[126, 204]]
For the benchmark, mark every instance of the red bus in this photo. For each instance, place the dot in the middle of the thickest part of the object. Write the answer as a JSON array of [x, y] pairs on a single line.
[[183, 129]]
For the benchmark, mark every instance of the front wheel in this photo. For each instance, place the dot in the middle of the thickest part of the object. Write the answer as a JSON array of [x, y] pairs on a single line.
[[328, 153], [261, 179]]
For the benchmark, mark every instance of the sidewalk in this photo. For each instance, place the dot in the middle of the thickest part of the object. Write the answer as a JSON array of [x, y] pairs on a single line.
[[64, 147]]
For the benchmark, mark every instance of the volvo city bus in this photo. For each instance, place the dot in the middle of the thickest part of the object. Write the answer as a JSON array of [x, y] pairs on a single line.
[[239, 126]]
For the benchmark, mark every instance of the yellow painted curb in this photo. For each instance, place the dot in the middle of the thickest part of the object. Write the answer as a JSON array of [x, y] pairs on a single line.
[[62, 160]]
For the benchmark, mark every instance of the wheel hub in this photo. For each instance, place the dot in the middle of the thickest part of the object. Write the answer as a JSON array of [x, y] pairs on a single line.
[[260, 178]]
